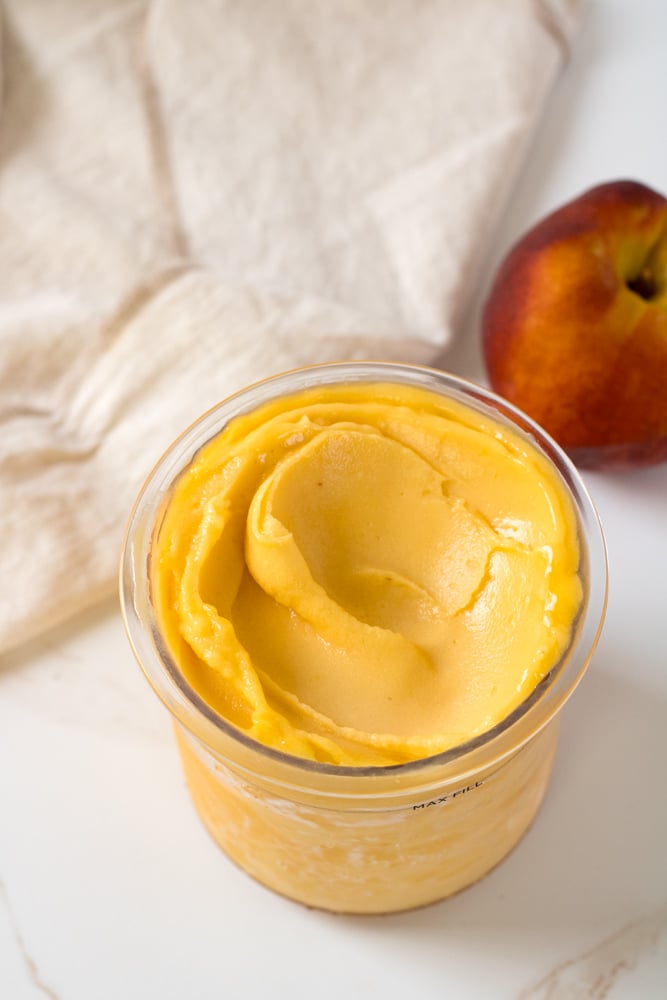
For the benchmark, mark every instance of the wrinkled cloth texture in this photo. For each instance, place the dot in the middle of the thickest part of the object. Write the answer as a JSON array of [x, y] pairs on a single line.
[[197, 195]]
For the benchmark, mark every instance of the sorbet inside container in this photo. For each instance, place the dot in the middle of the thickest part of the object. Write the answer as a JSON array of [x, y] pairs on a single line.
[[360, 581], [364, 574]]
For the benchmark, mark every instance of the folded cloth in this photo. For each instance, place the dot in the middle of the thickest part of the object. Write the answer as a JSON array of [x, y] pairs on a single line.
[[193, 196]]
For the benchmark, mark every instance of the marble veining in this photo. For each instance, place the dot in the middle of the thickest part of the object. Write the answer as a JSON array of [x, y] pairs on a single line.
[[594, 974], [29, 963]]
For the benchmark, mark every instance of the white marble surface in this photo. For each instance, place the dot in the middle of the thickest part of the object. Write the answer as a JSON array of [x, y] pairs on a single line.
[[109, 887]]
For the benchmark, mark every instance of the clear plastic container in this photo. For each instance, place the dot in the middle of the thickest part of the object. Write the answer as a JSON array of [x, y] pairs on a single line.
[[362, 839]]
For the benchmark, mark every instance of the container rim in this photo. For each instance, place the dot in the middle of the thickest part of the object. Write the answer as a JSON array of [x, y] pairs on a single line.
[[213, 731]]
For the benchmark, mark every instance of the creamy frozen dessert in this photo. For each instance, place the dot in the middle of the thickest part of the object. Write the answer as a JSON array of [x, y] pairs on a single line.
[[366, 574], [364, 591]]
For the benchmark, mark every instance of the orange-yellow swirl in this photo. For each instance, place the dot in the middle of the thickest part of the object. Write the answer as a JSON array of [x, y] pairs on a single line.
[[366, 574]]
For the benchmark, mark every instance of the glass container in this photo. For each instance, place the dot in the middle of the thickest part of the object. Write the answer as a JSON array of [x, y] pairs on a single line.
[[369, 839]]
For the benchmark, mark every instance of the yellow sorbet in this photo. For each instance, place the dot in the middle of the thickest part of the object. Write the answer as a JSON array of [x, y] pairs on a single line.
[[366, 574]]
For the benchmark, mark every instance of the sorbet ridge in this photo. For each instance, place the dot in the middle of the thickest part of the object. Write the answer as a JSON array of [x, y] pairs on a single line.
[[366, 574]]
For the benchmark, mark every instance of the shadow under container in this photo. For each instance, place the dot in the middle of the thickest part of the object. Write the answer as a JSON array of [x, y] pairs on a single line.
[[362, 839]]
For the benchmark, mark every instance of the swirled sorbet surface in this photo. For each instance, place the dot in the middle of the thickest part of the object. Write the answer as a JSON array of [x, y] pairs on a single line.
[[366, 574]]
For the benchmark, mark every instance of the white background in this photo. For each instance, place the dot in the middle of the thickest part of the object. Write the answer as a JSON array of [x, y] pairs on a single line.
[[110, 889]]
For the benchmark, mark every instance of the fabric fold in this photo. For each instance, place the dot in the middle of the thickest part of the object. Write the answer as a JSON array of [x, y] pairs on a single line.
[[197, 196]]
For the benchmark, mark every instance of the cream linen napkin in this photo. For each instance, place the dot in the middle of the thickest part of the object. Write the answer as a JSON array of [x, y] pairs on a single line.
[[195, 195]]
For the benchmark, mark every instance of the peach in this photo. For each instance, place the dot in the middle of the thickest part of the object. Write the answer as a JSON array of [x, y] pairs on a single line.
[[575, 326]]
